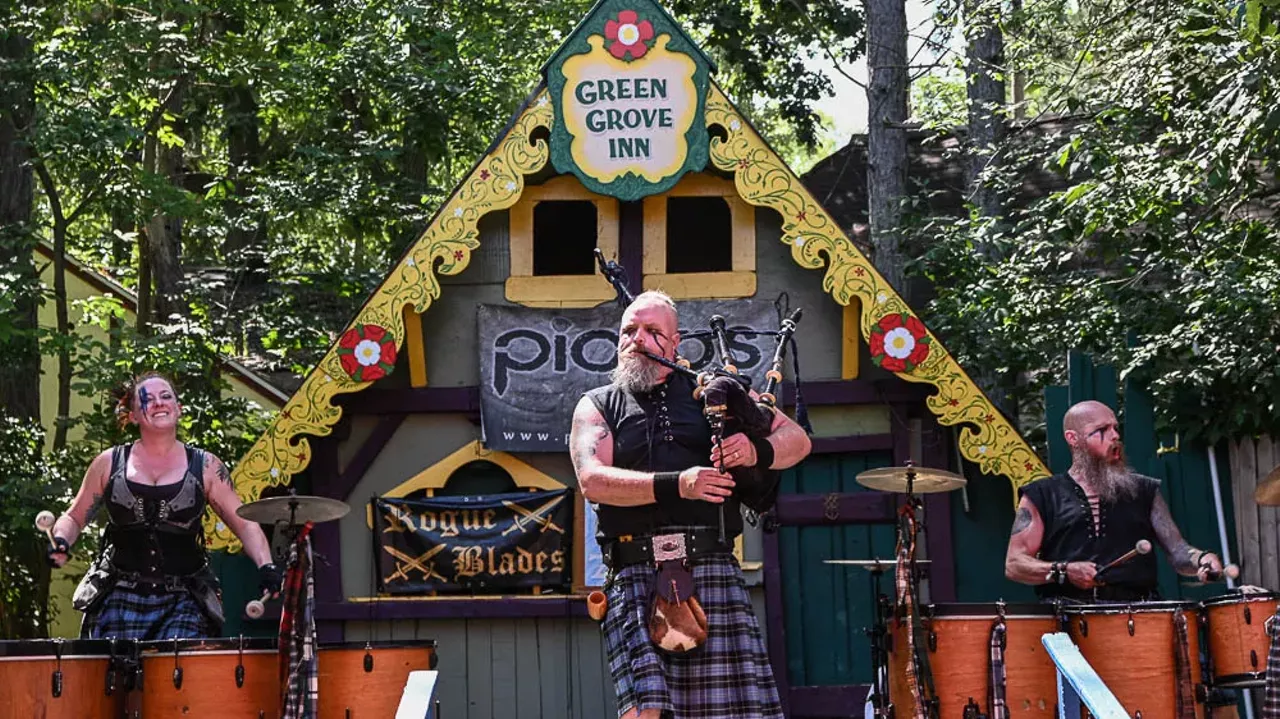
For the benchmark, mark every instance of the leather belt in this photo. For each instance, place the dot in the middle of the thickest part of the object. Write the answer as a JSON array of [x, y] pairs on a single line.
[[625, 551]]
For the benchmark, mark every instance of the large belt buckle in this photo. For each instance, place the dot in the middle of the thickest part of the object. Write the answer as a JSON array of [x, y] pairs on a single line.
[[668, 547]]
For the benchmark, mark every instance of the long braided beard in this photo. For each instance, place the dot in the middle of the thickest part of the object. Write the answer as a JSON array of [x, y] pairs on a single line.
[[635, 373], [1112, 479]]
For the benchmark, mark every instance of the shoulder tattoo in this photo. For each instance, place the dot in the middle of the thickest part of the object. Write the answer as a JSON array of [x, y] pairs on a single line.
[[1022, 521]]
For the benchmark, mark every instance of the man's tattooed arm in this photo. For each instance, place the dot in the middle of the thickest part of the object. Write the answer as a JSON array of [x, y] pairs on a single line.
[[1182, 555], [591, 449], [1022, 562], [1022, 521]]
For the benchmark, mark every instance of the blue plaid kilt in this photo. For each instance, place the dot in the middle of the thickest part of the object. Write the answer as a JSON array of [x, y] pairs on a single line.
[[126, 613], [728, 677]]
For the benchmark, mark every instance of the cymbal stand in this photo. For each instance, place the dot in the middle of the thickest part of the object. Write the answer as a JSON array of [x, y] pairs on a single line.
[[908, 531], [878, 633]]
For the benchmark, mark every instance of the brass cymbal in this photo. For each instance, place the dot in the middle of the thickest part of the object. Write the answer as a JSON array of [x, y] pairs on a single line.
[[1268, 492], [295, 509], [927, 480]]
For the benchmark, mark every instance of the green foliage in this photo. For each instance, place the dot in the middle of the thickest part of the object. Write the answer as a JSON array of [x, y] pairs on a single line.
[[32, 481], [1159, 252]]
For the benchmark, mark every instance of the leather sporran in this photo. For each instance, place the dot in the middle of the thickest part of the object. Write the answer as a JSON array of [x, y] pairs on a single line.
[[677, 623]]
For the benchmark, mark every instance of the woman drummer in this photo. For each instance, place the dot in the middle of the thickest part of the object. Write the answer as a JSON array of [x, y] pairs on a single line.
[[151, 580]]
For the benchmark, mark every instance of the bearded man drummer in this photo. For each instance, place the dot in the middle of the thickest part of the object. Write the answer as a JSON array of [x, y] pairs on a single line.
[[1069, 525]]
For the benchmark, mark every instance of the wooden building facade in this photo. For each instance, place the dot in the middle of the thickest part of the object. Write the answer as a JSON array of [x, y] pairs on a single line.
[[717, 221]]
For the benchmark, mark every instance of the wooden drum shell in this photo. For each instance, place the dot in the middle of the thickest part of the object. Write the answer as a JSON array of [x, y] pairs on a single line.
[[26, 680], [957, 641], [209, 672], [1236, 628], [1140, 667], [346, 686]]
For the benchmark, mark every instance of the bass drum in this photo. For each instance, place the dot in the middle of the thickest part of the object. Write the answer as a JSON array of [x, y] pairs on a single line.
[[364, 680], [210, 678], [1142, 656], [64, 679], [956, 642]]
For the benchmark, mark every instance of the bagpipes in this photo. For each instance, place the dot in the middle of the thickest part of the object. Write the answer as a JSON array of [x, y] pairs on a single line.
[[726, 398]]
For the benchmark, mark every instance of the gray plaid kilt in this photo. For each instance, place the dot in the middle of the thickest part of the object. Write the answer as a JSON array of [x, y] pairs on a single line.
[[728, 677], [126, 613]]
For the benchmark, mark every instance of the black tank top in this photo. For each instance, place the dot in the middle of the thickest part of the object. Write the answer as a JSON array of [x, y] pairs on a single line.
[[156, 531], [663, 430], [1070, 536]]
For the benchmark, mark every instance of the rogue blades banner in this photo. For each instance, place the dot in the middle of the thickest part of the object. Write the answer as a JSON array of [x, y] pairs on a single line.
[[535, 364], [498, 541]]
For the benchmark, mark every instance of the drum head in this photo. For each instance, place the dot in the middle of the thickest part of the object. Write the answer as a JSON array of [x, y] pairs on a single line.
[[385, 644], [1133, 608], [67, 647], [210, 644], [1239, 597], [976, 610]]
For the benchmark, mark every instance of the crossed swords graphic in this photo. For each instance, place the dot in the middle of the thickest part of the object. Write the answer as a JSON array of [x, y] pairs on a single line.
[[410, 563], [532, 516]]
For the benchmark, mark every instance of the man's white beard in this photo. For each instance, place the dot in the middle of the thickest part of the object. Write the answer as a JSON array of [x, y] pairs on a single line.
[[635, 373], [1111, 480]]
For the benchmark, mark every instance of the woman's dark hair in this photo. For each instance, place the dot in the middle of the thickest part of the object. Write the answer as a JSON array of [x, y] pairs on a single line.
[[128, 392]]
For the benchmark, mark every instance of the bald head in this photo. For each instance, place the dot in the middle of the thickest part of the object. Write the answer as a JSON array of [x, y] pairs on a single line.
[[649, 326], [1082, 414]]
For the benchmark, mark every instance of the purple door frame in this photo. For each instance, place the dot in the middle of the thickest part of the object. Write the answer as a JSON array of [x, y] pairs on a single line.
[[811, 510]]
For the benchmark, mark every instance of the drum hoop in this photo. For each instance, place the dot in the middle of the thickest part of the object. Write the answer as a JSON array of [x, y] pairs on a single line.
[[68, 648], [151, 653], [1162, 607], [984, 610], [383, 644], [1229, 599], [65, 658], [212, 645]]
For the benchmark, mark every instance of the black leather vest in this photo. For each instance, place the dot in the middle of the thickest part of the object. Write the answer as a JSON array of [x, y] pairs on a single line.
[[151, 536], [659, 431], [1070, 536]]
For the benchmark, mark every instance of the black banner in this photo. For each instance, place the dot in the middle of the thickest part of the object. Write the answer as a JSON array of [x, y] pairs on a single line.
[[498, 541], [535, 364]]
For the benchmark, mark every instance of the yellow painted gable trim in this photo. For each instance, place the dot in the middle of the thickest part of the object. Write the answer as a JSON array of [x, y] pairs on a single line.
[[437, 475], [817, 241], [851, 340]]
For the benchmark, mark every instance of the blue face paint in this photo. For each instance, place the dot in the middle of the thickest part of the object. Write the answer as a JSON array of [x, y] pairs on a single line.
[[144, 399]]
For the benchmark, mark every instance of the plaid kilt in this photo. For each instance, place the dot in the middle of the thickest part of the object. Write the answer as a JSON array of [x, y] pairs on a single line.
[[126, 613], [728, 677]]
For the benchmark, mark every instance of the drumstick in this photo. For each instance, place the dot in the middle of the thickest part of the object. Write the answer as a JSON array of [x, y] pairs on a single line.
[[255, 609], [1142, 547], [44, 522]]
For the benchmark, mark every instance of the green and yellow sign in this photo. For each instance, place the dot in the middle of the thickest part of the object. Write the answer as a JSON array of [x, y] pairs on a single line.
[[628, 89]]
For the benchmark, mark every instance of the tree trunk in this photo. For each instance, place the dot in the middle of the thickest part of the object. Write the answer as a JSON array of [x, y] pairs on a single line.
[[19, 386], [164, 238], [886, 133], [986, 101]]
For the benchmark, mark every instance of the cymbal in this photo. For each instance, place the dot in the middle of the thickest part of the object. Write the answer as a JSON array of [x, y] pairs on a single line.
[[1268, 492], [298, 509], [894, 479]]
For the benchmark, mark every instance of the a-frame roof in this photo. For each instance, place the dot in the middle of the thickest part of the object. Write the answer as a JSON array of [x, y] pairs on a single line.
[[496, 183]]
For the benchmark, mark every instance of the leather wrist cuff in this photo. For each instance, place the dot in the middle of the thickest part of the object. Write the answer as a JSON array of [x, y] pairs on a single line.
[[764, 452], [666, 487]]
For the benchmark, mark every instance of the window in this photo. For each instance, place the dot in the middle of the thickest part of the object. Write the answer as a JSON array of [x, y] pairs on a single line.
[[554, 228], [564, 235], [699, 235], [699, 240]]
